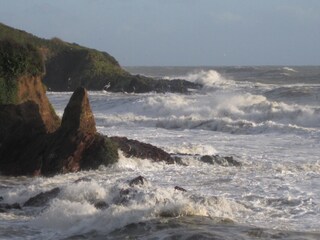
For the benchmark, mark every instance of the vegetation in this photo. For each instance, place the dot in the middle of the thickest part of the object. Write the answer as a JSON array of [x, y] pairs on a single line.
[[68, 65], [16, 59]]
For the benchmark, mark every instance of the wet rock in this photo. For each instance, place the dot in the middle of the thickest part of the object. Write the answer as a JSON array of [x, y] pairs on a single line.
[[101, 205], [137, 181], [5, 206], [42, 198], [124, 192], [222, 161], [180, 189], [134, 148]]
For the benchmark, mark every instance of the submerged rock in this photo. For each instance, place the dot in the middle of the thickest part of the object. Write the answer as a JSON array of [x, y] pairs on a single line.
[[101, 205], [4, 207], [137, 181], [180, 189], [222, 161], [42, 198]]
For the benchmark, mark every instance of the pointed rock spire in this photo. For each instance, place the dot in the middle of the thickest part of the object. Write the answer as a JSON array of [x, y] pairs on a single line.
[[78, 115]]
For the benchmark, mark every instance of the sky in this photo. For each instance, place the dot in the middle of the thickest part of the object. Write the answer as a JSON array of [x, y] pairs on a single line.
[[179, 32]]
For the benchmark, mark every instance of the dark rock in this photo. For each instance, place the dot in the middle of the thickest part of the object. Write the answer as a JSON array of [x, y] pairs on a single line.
[[137, 181], [134, 148], [180, 189], [101, 205], [42, 198], [222, 161], [6, 206], [1, 198], [73, 147], [22, 136], [124, 192]]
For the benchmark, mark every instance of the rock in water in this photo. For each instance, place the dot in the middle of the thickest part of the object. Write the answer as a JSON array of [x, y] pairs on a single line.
[[222, 161], [78, 115], [137, 181], [76, 145], [134, 148], [42, 198]]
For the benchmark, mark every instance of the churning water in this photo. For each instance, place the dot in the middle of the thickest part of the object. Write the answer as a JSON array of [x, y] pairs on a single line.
[[267, 118]]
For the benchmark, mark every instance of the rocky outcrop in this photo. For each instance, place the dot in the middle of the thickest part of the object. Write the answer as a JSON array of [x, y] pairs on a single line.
[[134, 148], [28, 149], [31, 88]]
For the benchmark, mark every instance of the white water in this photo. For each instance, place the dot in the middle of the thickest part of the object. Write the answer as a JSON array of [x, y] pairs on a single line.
[[277, 140]]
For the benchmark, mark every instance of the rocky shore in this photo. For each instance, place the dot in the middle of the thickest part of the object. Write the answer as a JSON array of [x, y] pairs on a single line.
[[34, 141]]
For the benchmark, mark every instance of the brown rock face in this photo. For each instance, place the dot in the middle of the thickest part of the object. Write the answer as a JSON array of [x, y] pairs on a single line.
[[27, 149], [78, 115], [30, 88]]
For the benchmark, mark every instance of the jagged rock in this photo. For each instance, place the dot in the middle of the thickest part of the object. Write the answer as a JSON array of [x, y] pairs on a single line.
[[180, 189], [71, 148], [137, 181], [75, 145], [42, 198], [78, 115], [134, 148], [223, 161]]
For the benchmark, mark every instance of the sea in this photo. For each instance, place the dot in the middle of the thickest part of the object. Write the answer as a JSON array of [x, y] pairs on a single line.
[[267, 118]]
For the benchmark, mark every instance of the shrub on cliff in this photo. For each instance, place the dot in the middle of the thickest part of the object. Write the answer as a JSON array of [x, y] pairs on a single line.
[[16, 60]]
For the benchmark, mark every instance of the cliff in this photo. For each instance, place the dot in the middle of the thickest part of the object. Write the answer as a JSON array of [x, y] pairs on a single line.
[[33, 140], [69, 66]]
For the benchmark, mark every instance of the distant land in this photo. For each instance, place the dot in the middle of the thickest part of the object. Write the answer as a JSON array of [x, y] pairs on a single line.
[[69, 66]]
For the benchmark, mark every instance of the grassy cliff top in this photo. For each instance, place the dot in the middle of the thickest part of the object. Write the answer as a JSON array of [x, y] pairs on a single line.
[[50, 47], [69, 66]]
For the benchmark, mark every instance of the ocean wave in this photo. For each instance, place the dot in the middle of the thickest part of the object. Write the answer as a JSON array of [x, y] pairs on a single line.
[[227, 112]]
